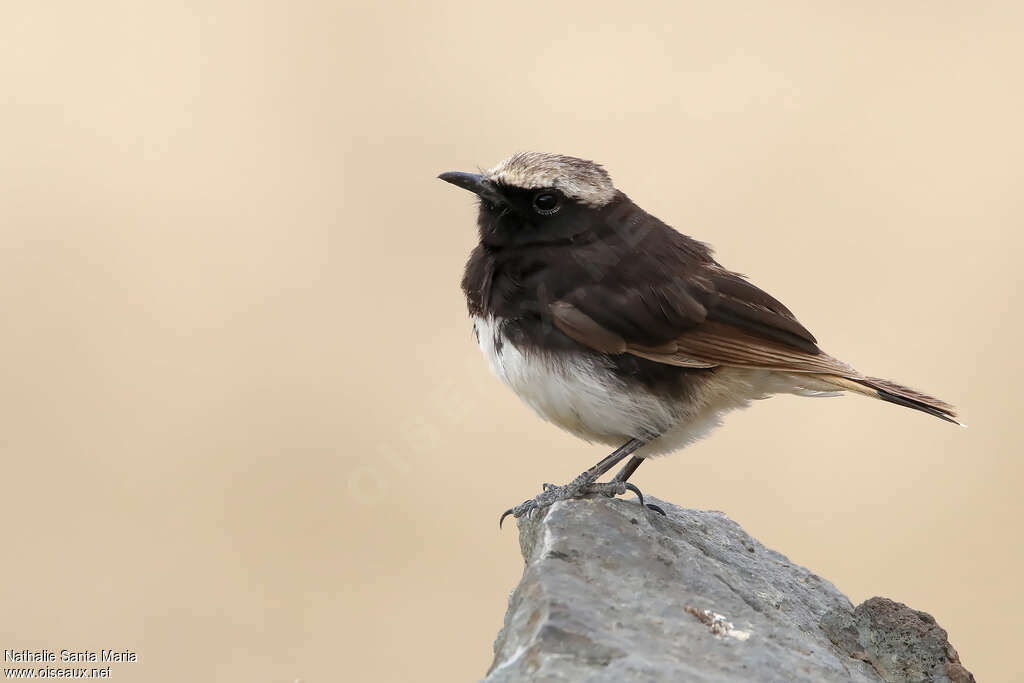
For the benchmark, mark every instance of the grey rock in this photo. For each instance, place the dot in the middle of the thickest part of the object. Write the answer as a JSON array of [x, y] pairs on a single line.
[[614, 592], [901, 643]]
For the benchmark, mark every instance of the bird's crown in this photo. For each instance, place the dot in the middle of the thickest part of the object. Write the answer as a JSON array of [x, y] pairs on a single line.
[[579, 179]]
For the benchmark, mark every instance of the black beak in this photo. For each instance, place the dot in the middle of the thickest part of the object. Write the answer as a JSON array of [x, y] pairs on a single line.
[[475, 183]]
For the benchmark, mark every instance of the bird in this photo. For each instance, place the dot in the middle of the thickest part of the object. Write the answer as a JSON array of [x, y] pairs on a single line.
[[619, 329]]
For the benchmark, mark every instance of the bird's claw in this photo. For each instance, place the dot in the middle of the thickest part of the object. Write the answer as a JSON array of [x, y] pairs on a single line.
[[552, 494], [634, 489], [657, 509], [650, 506]]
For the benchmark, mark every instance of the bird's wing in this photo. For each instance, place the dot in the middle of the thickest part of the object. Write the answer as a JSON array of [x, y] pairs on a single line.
[[703, 316]]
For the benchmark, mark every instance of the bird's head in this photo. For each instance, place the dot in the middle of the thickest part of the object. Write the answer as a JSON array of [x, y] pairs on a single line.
[[537, 198]]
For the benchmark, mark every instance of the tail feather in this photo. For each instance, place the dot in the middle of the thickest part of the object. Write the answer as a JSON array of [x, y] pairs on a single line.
[[896, 393]]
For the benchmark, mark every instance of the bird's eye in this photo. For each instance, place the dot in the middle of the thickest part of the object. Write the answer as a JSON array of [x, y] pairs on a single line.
[[545, 203]]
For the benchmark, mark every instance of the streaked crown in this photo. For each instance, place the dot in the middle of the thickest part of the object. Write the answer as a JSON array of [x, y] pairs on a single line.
[[579, 179]]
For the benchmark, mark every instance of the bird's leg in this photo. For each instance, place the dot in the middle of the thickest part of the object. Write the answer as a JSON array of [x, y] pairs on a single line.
[[627, 471], [584, 483]]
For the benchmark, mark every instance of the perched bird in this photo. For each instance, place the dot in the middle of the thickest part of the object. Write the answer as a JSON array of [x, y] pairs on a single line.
[[615, 327]]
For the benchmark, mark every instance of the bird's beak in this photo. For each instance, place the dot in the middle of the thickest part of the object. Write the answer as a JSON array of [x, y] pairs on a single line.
[[477, 184]]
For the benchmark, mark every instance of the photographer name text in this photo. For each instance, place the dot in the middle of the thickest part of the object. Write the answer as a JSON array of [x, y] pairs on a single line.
[[70, 656]]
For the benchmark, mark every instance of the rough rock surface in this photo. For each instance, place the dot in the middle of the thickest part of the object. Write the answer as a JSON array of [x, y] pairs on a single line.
[[901, 643], [612, 592]]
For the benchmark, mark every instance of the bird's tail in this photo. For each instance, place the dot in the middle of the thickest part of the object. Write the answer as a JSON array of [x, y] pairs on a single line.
[[894, 393]]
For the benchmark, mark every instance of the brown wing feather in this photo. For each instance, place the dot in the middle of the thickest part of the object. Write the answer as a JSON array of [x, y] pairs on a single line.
[[724, 344], [577, 325], [707, 345]]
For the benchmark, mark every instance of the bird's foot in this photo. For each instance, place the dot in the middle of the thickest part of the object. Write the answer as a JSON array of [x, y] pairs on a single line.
[[552, 494]]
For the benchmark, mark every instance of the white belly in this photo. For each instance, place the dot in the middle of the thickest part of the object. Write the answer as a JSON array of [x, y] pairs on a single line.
[[583, 396], [580, 395]]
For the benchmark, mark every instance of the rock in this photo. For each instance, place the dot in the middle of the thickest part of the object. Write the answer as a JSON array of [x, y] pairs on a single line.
[[614, 592], [902, 644]]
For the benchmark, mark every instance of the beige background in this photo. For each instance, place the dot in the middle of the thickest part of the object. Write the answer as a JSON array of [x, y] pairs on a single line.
[[246, 431]]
